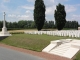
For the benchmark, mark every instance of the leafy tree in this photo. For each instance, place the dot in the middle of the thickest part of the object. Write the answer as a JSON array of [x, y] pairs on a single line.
[[51, 24], [39, 14], [71, 24], [22, 23], [15, 25], [46, 25], [33, 25], [60, 16]]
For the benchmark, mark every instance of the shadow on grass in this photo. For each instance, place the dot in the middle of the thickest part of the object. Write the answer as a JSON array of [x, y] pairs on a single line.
[[3, 37]]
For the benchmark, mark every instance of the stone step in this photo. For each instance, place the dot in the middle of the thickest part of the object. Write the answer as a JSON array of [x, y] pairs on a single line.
[[60, 50], [71, 52], [49, 47], [65, 47]]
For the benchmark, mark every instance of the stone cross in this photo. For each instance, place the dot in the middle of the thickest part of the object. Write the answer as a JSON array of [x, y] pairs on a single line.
[[4, 20]]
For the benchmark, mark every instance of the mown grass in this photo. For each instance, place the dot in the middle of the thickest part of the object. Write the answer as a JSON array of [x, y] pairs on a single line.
[[77, 57], [31, 42]]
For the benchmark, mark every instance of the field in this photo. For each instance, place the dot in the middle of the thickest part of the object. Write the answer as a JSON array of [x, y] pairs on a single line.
[[31, 42]]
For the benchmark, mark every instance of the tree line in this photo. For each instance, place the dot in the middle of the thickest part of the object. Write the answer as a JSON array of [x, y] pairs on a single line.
[[71, 24], [23, 24]]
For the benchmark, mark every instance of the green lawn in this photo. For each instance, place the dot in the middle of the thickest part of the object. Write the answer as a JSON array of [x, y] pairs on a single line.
[[77, 56], [32, 42]]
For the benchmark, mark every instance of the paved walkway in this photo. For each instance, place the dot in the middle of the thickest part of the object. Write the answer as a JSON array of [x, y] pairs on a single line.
[[9, 54], [14, 53]]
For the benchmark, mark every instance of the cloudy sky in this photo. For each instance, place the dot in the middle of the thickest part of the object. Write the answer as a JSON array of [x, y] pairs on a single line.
[[23, 9]]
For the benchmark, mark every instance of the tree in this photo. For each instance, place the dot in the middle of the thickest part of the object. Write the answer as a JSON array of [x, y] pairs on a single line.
[[39, 14], [33, 25], [71, 24], [46, 25], [60, 16], [15, 24], [22, 23]]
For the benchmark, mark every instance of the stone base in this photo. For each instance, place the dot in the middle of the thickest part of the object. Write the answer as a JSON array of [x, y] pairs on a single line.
[[5, 32]]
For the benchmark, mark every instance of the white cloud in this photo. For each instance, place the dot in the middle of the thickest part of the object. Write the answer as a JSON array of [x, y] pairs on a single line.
[[17, 16], [6, 0], [43, 0], [76, 17], [28, 11], [23, 17], [3, 8], [49, 1], [62, 0], [50, 10], [28, 7], [70, 8], [30, 0], [11, 15]]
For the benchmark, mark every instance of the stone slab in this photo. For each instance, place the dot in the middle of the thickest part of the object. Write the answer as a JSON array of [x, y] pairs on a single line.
[[68, 48]]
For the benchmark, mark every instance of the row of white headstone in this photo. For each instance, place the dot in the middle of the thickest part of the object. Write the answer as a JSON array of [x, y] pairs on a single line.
[[69, 33]]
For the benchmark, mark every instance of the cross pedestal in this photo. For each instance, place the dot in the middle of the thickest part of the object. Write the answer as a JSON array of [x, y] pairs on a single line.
[[4, 31]]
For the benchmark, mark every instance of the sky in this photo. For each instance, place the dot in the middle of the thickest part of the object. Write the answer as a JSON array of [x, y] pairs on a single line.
[[23, 9]]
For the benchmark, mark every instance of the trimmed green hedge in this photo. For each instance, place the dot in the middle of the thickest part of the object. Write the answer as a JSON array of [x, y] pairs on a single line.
[[16, 32]]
